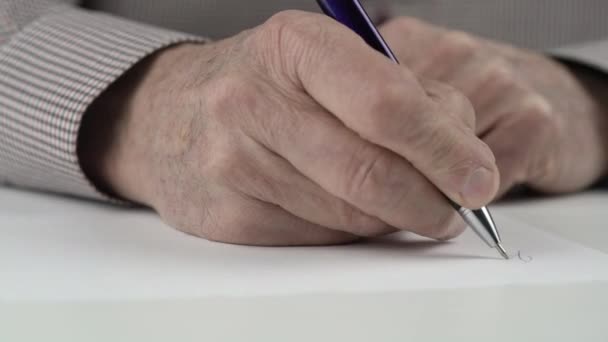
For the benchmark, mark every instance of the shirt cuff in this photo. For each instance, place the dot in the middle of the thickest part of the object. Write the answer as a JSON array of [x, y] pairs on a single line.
[[51, 71], [591, 54]]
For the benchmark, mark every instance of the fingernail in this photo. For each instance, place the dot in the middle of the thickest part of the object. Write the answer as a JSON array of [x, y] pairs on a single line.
[[478, 186]]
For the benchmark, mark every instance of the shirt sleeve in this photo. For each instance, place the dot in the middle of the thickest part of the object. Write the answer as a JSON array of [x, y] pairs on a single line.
[[592, 54], [55, 60]]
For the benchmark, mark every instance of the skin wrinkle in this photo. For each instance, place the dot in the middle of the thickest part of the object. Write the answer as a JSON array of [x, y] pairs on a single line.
[[271, 138], [277, 186], [519, 96], [275, 135]]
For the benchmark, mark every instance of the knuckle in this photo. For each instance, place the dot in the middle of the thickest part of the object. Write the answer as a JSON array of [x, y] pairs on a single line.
[[541, 116], [451, 157], [465, 110], [283, 18], [454, 44], [538, 108], [500, 72], [544, 167], [459, 105], [285, 24], [290, 40], [385, 99], [384, 104], [421, 136], [406, 24], [289, 30], [545, 127], [366, 176], [435, 136]]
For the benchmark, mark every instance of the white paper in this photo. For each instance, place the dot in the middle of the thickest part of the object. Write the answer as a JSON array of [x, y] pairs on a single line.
[[87, 252]]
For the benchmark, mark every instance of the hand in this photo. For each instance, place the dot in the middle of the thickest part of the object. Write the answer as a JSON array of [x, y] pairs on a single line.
[[544, 123], [292, 133]]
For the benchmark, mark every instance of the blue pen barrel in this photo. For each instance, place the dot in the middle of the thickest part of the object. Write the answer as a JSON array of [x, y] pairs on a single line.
[[352, 14]]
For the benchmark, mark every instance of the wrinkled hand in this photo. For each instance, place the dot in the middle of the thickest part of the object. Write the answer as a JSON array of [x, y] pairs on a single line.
[[544, 123], [292, 133]]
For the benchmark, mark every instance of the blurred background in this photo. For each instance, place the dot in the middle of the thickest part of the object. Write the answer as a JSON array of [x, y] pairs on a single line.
[[529, 23]]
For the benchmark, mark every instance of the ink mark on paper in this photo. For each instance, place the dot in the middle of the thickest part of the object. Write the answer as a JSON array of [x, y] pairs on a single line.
[[525, 258]]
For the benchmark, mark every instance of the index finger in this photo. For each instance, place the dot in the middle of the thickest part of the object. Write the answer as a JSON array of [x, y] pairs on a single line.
[[385, 104]]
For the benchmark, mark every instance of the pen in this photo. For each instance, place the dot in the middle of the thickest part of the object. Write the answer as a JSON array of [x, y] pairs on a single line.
[[352, 14]]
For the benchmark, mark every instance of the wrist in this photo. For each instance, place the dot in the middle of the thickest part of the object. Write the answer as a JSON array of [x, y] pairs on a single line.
[[116, 139], [104, 134]]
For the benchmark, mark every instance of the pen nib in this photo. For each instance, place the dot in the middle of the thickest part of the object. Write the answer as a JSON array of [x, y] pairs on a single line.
[[502, 251]]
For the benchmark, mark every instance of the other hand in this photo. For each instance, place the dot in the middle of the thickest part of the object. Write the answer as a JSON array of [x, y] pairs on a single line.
[[546, 124]]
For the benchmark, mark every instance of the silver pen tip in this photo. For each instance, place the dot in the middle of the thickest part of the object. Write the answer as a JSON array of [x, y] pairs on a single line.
[[502, 251]]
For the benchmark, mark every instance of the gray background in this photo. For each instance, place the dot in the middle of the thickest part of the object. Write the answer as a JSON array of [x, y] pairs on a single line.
[[531, 23]]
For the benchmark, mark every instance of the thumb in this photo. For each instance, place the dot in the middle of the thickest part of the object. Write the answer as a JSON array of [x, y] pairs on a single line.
[[449, 153]]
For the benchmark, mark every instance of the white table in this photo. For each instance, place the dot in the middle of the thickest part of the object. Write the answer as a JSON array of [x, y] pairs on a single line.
[[512, 313]]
